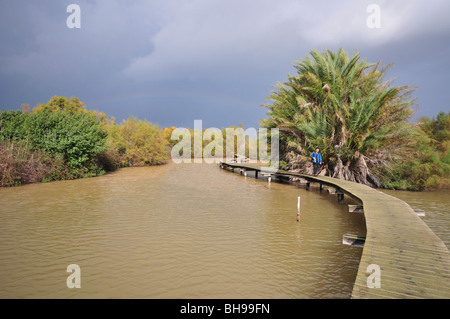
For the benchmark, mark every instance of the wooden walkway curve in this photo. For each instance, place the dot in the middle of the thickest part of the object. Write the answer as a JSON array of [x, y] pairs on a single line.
[[414, 262]]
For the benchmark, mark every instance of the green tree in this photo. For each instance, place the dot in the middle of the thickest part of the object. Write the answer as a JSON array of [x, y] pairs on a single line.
[[78, 137], [429, 167], [342, 105], [71, 105], [61, 103], [438, 129], [12, 125]]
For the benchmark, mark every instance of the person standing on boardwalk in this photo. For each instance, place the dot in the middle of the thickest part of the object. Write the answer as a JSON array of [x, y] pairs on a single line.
[[316, 158]]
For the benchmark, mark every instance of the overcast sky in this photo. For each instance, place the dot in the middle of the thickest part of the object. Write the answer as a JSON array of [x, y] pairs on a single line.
[[172, 62]]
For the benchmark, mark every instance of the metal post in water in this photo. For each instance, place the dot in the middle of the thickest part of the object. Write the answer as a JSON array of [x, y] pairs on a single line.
[[298, 209]]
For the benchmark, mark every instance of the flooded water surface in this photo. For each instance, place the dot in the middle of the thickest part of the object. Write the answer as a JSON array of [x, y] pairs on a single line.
[[176, 231]]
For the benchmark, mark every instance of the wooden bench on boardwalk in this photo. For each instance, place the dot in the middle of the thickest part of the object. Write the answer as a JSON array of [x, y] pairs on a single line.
[[413, 261]]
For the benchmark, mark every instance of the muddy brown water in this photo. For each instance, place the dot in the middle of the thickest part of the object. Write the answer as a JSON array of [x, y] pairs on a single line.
[[177, 231]]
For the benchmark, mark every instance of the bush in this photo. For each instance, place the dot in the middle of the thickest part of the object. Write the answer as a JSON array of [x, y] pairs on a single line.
[[110, 159], [78, 137], [429, 168], [138, 143], [12, 125]]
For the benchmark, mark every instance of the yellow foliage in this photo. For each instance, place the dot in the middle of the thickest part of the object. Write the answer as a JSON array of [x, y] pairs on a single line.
[[138, 142]]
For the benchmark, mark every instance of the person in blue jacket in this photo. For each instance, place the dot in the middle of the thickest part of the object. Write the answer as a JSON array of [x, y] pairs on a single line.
[[316, 158]]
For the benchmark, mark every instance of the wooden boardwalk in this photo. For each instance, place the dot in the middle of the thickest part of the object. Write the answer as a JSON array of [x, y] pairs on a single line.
[[413, 261]]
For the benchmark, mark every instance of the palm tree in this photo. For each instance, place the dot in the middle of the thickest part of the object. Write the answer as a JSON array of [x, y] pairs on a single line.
[[342, 105]]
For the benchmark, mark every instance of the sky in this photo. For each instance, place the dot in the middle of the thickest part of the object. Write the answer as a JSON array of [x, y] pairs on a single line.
[[175, 61]]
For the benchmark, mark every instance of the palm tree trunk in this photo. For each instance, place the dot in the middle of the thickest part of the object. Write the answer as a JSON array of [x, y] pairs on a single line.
[[363, 174], [338, 171]]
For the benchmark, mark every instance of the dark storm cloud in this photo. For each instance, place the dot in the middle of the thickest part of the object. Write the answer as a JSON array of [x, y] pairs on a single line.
[[175, 61]]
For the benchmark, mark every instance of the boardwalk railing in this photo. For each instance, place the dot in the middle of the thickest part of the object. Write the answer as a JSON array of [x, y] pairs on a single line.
[[412, 261]]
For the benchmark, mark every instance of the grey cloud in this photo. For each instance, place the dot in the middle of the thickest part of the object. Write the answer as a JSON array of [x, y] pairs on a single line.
[[175, 61]]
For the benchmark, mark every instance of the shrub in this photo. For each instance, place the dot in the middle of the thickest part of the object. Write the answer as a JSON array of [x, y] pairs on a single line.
[[76, 137], [138, 143]]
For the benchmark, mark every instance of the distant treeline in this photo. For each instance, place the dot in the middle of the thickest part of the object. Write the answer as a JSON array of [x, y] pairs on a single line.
[[214, 142], [62, 140]]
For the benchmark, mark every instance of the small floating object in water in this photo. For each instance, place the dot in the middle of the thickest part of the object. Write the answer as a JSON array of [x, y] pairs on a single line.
[[355, 209], [353, 240], [419, 212]]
